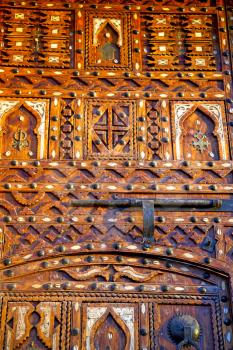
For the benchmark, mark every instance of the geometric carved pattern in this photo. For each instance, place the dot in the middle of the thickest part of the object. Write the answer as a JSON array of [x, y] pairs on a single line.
[[24, 319], [67, 130], [179, 42], [47, 45], [111, 129]]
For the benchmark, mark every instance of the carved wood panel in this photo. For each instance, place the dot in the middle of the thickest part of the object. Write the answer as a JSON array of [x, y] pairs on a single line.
[[104, 102]]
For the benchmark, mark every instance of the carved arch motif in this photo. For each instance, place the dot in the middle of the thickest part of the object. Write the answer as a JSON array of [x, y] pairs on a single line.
[[24, 122], [215, 113], [122, 317]]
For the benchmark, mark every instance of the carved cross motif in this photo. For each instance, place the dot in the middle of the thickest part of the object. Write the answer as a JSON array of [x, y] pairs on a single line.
[[202, 143]]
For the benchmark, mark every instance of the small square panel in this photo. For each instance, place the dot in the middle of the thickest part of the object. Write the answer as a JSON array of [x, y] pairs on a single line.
[[110, 129]]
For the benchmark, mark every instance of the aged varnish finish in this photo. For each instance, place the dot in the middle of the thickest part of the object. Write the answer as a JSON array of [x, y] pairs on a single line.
[[116, 175]]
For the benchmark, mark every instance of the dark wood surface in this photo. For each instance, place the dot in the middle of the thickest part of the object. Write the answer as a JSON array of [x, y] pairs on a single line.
[[104, 101]]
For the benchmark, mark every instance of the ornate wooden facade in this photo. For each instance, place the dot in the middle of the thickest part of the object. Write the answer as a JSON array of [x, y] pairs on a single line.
[[106, 103]]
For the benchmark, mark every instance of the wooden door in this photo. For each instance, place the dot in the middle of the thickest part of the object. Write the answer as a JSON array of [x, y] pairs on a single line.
[[116, 175]]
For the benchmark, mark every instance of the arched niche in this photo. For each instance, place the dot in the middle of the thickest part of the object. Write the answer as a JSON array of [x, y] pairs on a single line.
[[199, 139], [108, 44], [23, 132], [199, 131]]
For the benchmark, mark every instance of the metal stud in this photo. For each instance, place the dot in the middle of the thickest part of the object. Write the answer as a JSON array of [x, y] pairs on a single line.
[[75, 331], [45, 264], [161, 219], [47, 286], [9, 273], [41, 253], [43, 92], [60, 219], [112, 286], [117, 245], [203, 95], [146, 246], [93, 286], [141, 288], [70, 186], [227, 321], [206, 275], [143, 332], [131, 219], [11, 286], [202, 290], [224, 299], [152, 164], [7, 186], [164, 288], [193, 219], [32, 219], [40, 71], [169, 264], [169, 251], [142, 119], [95, 186], [7, 261], [7, 218], [18, 92], [146, 261], [165, 139], [37, 163], [201, 75], [66, 285], [180, 94], [185, 163], [90, 246], [217, 220], [14, 162], [33, 185], [96, 163], [207, 260], [119, 258], [54, 138], [61, 248], [65, 261], [129, 187], [90, 219], [90, 259], [15, 70]]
